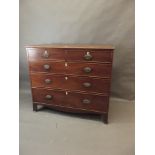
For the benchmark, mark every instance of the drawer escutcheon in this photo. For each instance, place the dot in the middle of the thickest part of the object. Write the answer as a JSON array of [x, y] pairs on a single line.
[[48, 97], [47, 81], [88, 56], [87, 84], [86, 101], [45, 54], [87, 69], [46, 66]]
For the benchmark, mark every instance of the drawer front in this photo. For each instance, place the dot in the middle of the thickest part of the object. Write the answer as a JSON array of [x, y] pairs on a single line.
[[89, 55], [97, 85], [47, 54], [74, 100], [87, 69]]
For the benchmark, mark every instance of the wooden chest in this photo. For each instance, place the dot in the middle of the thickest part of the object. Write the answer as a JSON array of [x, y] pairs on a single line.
[[71, 78]]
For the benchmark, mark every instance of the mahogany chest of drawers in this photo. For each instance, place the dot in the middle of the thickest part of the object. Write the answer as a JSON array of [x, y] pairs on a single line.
[[71, 78]]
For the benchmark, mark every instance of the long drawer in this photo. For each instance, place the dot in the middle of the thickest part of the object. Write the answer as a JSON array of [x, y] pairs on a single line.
[[71, 99], [71, 54], [77, 68], [97, 85]]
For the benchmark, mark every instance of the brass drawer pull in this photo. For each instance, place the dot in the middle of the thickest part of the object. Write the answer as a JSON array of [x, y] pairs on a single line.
[[45, 54], [46, 67], [88, 56], [48, 97], [87, 84], [86, 101], [87, 69], [47, 81]]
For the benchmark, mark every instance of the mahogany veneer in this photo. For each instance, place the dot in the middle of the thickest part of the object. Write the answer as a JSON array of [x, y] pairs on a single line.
[[71, 78], [75, 68]]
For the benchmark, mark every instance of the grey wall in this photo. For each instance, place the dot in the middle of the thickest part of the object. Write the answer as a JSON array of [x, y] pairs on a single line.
[[83, 21]]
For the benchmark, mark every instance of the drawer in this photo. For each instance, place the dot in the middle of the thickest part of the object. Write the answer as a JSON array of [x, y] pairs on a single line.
[[46, 54], [89, 55], [97, 85], [71, 99], [77, 68]]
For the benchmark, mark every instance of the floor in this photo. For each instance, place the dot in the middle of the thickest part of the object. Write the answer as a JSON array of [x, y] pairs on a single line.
[[49, 132]]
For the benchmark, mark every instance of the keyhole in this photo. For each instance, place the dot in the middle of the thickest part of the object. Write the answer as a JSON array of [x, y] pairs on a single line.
[[66, 64]]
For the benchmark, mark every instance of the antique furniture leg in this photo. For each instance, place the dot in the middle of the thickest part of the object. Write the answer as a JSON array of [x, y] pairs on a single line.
[[35, 107], [104, 118]]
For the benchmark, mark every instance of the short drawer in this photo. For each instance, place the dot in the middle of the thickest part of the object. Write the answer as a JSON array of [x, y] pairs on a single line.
[[71, 99], [46, 54], [87, 84], [77, 68], [89, 55]]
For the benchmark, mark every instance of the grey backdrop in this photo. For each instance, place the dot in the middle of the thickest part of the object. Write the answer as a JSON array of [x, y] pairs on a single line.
[[82, 21]]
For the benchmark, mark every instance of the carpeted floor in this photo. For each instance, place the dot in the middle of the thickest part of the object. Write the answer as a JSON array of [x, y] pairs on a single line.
[[49, 132]]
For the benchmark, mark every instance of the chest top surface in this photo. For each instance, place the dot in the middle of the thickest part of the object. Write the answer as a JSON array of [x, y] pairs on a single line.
[[69, 46]]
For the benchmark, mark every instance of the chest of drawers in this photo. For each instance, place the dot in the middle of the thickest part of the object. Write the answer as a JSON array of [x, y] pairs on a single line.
[[71, 78]]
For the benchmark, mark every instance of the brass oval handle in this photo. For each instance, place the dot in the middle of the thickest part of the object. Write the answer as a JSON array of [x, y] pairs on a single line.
[[47, 81], [86, 101], [87, 84], [87, 69], [49, 97], [45, 54], [46, 66], [88, 56]]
